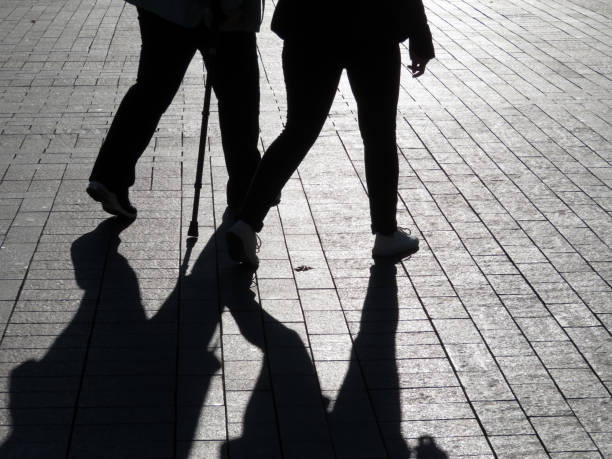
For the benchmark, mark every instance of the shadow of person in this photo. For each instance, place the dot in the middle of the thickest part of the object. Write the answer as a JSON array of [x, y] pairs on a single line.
[[285, 415], [107, 386], [43, 392], [287, 384], [366, 419], [116, 383]]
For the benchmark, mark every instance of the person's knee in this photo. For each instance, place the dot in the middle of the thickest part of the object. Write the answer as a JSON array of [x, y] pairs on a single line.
[[300, 137], [152, 97], [377, 135]]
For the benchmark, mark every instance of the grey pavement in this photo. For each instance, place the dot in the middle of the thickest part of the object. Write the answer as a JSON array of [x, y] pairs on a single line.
[[492, 341]]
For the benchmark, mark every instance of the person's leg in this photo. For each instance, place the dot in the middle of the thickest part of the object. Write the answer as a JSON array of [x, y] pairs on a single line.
[[311, 80], [374, 77], [235, 74], [166, 52]]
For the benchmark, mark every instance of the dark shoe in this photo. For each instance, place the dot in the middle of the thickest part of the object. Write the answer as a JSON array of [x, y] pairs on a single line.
[[230, 215], [242, 244], [277, 200], [113, 203]]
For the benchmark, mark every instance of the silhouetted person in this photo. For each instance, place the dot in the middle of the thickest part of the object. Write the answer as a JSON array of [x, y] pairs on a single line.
[[321, 38], [171, 31]]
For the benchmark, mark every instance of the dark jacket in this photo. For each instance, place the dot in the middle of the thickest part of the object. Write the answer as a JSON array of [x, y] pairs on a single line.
[[353, 21]]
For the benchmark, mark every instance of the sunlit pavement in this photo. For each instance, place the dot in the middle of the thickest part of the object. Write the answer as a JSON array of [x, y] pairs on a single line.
[[493, 340]]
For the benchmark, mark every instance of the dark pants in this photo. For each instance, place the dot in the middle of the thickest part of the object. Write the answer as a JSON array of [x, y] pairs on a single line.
[[312, 75], [167, 50]]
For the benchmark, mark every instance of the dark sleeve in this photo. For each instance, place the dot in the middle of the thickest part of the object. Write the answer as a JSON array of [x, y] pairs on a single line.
[[411, 22]]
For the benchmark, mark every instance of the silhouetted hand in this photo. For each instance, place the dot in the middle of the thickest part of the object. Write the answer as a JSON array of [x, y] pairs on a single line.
[[418, 66]]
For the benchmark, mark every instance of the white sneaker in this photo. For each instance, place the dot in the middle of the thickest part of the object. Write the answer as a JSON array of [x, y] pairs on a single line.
[[397, 244], [242, 243]]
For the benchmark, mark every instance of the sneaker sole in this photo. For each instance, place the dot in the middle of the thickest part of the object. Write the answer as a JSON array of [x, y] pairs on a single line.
[[395, 257], [236, 250], [108, 201]]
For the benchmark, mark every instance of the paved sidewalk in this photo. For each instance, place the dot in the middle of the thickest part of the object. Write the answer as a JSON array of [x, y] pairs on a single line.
[[492, 341]]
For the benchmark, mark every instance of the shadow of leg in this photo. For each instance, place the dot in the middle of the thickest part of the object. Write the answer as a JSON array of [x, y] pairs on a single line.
[[360, 429], [285, 411]]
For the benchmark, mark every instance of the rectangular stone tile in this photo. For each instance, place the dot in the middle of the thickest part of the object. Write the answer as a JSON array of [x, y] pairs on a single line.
[[507, 343], [9, 289], [470, 357], [573, 315], [457, 331], [331, 347], [541, 329], [432, 286], [523, 370], [319, 299], [527, 446], [283, 310], [578, 383], [485, 386], [237, 348], [244, 375], [594, 413], [603, 442], [559, 355], [491, 317], [524, 306], [562, 433], [582, 454], [541, 399], [444, 308], [325, 322], [502, 418]]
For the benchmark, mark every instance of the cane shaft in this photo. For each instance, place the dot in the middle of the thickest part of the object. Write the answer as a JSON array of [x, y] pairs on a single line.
[[193, 231]]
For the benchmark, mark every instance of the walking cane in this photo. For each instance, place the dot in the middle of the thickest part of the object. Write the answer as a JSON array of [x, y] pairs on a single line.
[[193, 226]]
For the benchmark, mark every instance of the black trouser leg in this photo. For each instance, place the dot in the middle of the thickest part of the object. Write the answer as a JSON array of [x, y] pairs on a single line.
[[236, 82], [311, 80], [374, 77], [166, 52]]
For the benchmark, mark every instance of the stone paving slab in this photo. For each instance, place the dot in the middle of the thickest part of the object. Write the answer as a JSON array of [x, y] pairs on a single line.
[[492, 341]]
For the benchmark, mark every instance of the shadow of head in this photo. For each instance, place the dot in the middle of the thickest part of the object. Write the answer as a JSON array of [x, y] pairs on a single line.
[[427, 449]]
